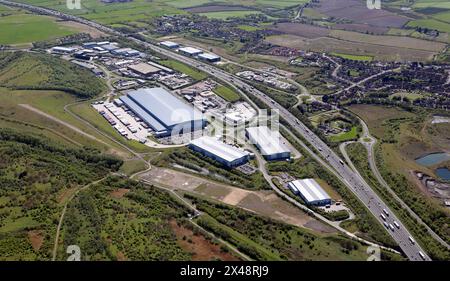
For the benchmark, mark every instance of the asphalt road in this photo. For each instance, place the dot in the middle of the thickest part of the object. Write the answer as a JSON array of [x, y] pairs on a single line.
[[351, 179]]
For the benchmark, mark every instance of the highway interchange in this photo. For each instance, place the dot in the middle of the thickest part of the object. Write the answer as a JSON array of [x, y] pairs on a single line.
[[349, 177]]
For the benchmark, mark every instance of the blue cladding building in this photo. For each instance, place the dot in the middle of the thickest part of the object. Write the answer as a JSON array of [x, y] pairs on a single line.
[[163, 112]]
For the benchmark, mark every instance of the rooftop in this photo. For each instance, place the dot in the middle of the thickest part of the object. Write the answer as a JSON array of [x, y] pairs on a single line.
[[269, 142], [218, 148], [190, 50], [209, 56], [310, 190], [164, 106], [144, 68], [169, 43]]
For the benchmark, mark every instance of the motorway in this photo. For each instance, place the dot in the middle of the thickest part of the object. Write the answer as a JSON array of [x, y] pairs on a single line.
[[351, 179]]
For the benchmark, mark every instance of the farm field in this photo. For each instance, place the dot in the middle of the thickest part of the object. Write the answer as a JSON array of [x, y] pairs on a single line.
[[353, 57], [228, 14], [19, 27], [378, 51]]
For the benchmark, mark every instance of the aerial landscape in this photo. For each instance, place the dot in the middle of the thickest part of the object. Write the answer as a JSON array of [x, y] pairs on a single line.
[[225, 130]]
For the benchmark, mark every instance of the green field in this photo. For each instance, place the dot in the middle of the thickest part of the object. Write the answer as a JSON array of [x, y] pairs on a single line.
[[227, 93], [228, 14], [183, 68], [350, 135], [431, 24], [25, 28], [353, 57]]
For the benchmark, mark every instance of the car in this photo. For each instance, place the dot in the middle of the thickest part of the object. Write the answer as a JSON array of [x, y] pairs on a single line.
[[383, 217], [391, 227], [411, 240], [396, 224], [386, 212], [421, 255], [386, 224]]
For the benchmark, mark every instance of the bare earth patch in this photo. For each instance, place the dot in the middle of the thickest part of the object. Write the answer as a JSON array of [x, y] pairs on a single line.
[[36, 238], [201, 248], [262, 202], [119, 193]]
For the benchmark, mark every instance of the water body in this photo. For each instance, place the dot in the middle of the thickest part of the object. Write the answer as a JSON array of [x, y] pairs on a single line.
[[433, 159], [443, 173]]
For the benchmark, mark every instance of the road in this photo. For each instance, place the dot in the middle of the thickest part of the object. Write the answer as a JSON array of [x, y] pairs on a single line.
[[351, 179], [369, 142], [335, 224]]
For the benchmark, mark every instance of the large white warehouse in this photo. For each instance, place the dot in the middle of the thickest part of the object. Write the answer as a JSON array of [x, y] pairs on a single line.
[[310, 191], [269, 143], [223, 153]]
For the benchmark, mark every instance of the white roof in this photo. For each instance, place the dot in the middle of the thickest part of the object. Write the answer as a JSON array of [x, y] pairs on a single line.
[[209, 56], [310, 190], [190, 50], [268, 142], [219, 149], [169, 43]]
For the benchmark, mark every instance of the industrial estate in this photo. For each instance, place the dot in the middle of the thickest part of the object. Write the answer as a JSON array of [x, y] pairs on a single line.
[[234, 131]]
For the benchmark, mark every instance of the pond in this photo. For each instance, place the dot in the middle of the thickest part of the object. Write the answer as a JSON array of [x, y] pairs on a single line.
[[443, 173], [433, 159]]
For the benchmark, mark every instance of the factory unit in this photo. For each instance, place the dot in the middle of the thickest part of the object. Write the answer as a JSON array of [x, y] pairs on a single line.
[[225, 154], [169, 44], [268, 142], [189, 51], [310, 191], [209, 57], [144, 69], [62, 50], [163, 112]]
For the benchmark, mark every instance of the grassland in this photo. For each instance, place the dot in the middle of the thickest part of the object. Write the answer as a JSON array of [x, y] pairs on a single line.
[[228, 14], [265, 239], [29, 71], [18, 27], [183, 68], [431, 24], [404, 136], [37, 174], [353, 57], [227, 93], [346, 136]]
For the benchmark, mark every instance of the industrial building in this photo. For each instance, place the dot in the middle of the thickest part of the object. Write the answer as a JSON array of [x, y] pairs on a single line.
[[221, 152], [144, 69], [310, 191], [62, 50], [189, 51], [128, 52], [169, 44], [209, 57], [268, 142], [163, 112]]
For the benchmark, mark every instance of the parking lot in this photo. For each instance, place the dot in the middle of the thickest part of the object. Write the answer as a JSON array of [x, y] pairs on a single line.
[[124, 121]]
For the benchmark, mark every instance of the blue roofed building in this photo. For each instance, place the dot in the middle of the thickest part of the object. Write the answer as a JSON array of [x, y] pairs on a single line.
[[163, 112]]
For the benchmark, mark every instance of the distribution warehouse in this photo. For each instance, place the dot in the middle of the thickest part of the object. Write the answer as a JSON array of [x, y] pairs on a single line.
[[310, 191], [223, 153], [163, 112], [268, 142]]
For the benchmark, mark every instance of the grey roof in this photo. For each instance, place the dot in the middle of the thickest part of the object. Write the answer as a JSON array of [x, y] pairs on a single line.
[[191, 50], [152, 122], [220, 149], [169, 44], [310, 190], [165, 107], [268, 142], [209, 56]]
